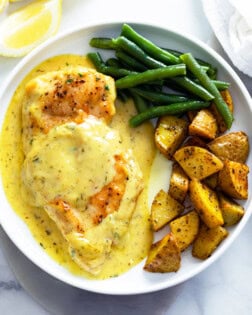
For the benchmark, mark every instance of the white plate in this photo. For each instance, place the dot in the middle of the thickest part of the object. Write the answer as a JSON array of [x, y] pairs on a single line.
[[136, 280]]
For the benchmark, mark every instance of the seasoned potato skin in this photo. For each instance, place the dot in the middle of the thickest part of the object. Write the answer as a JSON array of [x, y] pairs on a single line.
[[205, 201], [233, 179], [179, 183], [208, 240], [233, 146], [197, 162], [164, 255], [164, 209], [170, 132], [232, 212], [204, 125], [185, 229]]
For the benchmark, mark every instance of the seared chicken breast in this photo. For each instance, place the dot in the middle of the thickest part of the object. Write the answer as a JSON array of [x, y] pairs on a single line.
[[62, 96], [76, 167]]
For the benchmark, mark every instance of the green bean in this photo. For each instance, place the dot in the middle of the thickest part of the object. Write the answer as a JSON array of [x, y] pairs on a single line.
[[172, 109], [159, 97], [221, 106], [130, 62], [148, 46], [102, 43], [140, 61], [211, 71], [97, 61], [134, 50], [113, 62], [108, 70], [193, 87], [140, 103], [126, 45], [117, 72], [221, 85], [132, 80]]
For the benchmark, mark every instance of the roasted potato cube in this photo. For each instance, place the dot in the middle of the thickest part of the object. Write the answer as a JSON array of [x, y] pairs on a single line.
[[164, 255], [220, 121], [233, 179], [204, 125], [206, 202], [179, 183], [197, 162], [171, 131], [211, 181], [232, 212], [164, 208], [208, 240], [185, 229], [195, 141], [233, 146]]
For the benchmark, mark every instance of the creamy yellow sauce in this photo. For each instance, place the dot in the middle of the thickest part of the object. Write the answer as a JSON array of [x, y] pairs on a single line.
[[135, 245]]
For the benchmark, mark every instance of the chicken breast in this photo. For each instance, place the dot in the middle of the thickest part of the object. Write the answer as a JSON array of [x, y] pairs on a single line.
[[57, 97], [76, 166]]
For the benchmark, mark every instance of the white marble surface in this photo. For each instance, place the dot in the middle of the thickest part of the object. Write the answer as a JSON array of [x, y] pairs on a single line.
[[224, 288]]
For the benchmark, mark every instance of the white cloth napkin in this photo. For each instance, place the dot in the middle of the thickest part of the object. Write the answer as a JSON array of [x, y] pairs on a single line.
[[231, 21]]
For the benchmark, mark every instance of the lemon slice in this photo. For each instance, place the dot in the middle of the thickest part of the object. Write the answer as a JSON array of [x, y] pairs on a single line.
[[3, 4], [29, 26]]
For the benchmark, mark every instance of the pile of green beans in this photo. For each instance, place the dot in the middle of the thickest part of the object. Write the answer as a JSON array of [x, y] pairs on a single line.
[[161, 81]]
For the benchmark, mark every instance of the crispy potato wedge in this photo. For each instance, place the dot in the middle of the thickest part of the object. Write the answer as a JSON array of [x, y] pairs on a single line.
[[233, 146], [185, 229], [198, 162], [232, 212], [164, 208], [208, 240], [164, 255], [220, 122], [205, 201], [171, 131], [233, 179], [204, 125], [179, 183]]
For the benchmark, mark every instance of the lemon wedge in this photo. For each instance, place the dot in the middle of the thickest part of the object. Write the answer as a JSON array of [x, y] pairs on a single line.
[[3, 4], [29, 26]]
